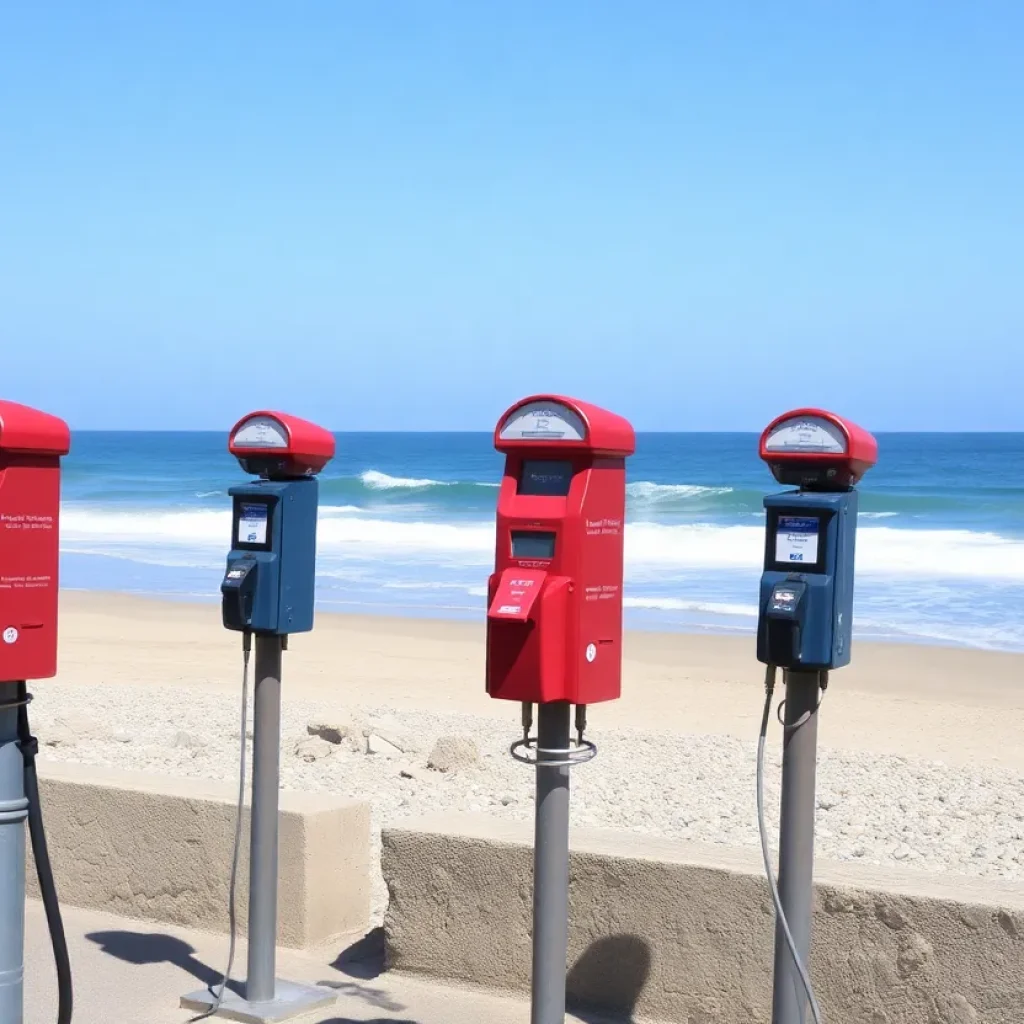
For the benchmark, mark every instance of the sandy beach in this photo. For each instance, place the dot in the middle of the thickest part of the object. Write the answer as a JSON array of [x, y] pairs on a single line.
[[920, 759], [959, 706]]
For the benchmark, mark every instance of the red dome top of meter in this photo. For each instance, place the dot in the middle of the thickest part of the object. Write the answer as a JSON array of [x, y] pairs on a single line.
[[545, 421], [31, 432], [274, 444], [818, 450]]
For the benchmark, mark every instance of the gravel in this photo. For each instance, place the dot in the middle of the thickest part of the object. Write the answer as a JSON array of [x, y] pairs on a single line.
[[875, 809]]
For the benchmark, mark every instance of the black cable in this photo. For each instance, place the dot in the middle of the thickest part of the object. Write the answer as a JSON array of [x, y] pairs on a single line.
[[29, 746]]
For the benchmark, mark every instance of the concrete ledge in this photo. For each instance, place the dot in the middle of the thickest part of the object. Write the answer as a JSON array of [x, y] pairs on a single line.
[[677, 932], [159, 849]]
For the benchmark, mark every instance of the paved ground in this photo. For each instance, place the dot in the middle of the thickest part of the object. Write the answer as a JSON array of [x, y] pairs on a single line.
[[133, 972]]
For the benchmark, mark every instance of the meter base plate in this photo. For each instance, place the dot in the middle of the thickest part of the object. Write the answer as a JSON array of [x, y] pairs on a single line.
[[290, 1000]]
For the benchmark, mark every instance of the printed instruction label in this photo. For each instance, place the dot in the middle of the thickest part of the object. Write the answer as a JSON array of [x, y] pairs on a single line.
[[796, 540], [25, 522], [604, 527], [25, 582]]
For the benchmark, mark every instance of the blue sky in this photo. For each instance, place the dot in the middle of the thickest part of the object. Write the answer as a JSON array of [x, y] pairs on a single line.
[[405, 215]]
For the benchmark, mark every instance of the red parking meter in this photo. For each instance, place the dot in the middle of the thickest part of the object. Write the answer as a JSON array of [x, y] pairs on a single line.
[[554, 619], [554, 625], [31, 446]]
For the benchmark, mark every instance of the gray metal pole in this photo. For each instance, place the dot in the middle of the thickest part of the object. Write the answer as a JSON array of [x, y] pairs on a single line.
[[551, 867], [266, 775], [796, 843], [13, 812]]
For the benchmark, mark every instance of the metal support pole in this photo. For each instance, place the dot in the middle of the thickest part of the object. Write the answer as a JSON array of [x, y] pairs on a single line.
[[13, 812], [267, 998], [796, 843], [266, 781], [551, 867]]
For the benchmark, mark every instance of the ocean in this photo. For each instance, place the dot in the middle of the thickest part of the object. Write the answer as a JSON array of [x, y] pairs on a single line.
[[406, 528]]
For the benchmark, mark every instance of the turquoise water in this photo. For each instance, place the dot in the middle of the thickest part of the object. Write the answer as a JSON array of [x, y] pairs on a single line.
[[406, 528]]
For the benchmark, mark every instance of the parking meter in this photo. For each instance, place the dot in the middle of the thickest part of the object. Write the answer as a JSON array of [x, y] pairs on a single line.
[[806, 601], [268, 591], [554, 624], [554, 620], [31, 446], [805, 623], [269, 581]]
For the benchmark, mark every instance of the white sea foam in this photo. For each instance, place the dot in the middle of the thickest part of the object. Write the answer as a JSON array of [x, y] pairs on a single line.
[[676, 604], [426, 585], [375, 480], [374, 538], [378, 481], [200, 527], [981, 637], [882, 551], [648, 491]]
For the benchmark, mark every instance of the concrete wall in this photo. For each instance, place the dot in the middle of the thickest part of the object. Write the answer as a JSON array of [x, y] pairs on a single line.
[[159, 849], [677, 932]]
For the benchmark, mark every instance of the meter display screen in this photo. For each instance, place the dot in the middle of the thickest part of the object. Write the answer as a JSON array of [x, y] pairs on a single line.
[[545, 478], [810, 434], [253, 524], [797, 539], [261, 432], [533, 544], [544, 421]]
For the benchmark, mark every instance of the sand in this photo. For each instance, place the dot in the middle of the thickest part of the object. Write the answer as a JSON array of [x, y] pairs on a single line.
[[920, 759], [958, 706]]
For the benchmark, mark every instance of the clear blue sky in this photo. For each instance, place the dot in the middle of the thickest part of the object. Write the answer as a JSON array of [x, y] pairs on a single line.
[[406, 214]]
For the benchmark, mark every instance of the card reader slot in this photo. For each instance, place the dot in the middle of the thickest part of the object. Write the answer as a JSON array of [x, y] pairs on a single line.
[[238, 593]]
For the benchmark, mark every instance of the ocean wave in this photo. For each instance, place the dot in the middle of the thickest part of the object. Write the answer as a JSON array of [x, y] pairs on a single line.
[[646, 490], [377, 488], [651, 548], [677, 604], [378, 481], [881, 550], [979, 636], [196, 526]]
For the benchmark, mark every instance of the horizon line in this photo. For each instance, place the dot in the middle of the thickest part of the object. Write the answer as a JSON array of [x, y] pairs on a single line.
[[490, 431]]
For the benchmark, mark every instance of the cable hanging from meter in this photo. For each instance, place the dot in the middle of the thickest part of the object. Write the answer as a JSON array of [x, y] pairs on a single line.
[[29, 747], [218, 996], [801, 968]]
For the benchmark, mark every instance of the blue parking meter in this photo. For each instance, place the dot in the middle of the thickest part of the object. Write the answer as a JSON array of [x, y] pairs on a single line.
[[806, 599], [805, 621], [267, 593], [268, 585], [269, 581]]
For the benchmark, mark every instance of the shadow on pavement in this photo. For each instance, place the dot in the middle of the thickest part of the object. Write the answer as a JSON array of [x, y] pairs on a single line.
[[141, 948]]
